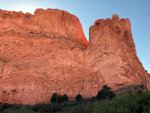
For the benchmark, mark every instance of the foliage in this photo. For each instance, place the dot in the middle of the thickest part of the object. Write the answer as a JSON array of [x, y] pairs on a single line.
[[62, 98], [105, 93], [79, 98], [66, 99], [53, 98], [59, 98], [127, 103]]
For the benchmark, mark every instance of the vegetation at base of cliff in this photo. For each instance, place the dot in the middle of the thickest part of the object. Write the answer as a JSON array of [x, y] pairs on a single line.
[[79, 98], [59, 98], [104, 102]]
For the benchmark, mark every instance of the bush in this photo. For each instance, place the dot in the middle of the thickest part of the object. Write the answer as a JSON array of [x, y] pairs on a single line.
[[105, 93], [37, 107], [66, 99], [54, 97], [79, 98], [4, 106], [128, 103], [59, 98], [62, 98]]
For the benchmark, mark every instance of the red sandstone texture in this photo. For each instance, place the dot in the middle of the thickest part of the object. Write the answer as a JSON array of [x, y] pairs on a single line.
[[47, 52]]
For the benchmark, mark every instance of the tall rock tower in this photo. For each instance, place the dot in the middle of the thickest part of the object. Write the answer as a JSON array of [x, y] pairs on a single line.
[[111, 53]]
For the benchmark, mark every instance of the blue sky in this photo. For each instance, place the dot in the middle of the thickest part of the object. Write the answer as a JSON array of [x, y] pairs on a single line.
[[138, 11]]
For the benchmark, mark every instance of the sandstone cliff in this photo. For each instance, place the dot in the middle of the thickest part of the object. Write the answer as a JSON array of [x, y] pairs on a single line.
[[47, 52], [111, 52]]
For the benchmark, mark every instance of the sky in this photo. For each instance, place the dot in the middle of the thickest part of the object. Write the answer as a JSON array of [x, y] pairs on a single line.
[[138, 11]]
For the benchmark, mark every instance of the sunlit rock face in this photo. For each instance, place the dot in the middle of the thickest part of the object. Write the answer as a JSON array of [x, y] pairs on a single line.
[[47, 52], [111, 54]]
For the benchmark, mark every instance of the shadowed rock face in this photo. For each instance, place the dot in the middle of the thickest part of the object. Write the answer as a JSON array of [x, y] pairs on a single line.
[[47, 52]]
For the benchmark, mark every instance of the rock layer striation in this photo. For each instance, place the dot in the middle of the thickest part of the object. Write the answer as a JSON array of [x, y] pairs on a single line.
[[47, 52]]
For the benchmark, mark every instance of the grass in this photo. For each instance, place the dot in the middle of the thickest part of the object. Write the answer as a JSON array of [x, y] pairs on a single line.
[[127, 103], [131, 101]]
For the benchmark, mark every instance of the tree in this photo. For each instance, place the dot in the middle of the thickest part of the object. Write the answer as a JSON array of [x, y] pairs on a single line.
[[60, 99], [79, 98], [54, 98], [65, 98], [106, 92]]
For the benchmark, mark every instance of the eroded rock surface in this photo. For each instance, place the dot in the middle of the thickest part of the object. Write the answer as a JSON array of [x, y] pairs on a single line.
[[111, 53], [47, 52]]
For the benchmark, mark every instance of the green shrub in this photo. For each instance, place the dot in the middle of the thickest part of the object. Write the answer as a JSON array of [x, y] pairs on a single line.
[[37, 107], [128, 103], [54, 97], [19, 109], [79, 98], [105, 93], [81, 107], [66, 99], [4, 106], [60, 99]]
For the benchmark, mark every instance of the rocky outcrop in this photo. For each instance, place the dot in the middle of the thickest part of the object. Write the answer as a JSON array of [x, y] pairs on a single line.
[[130, 88], [111, 53], [47, 52]]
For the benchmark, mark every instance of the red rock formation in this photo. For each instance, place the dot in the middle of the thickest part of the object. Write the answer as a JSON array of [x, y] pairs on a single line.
[[111, 52], [47, 52]]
